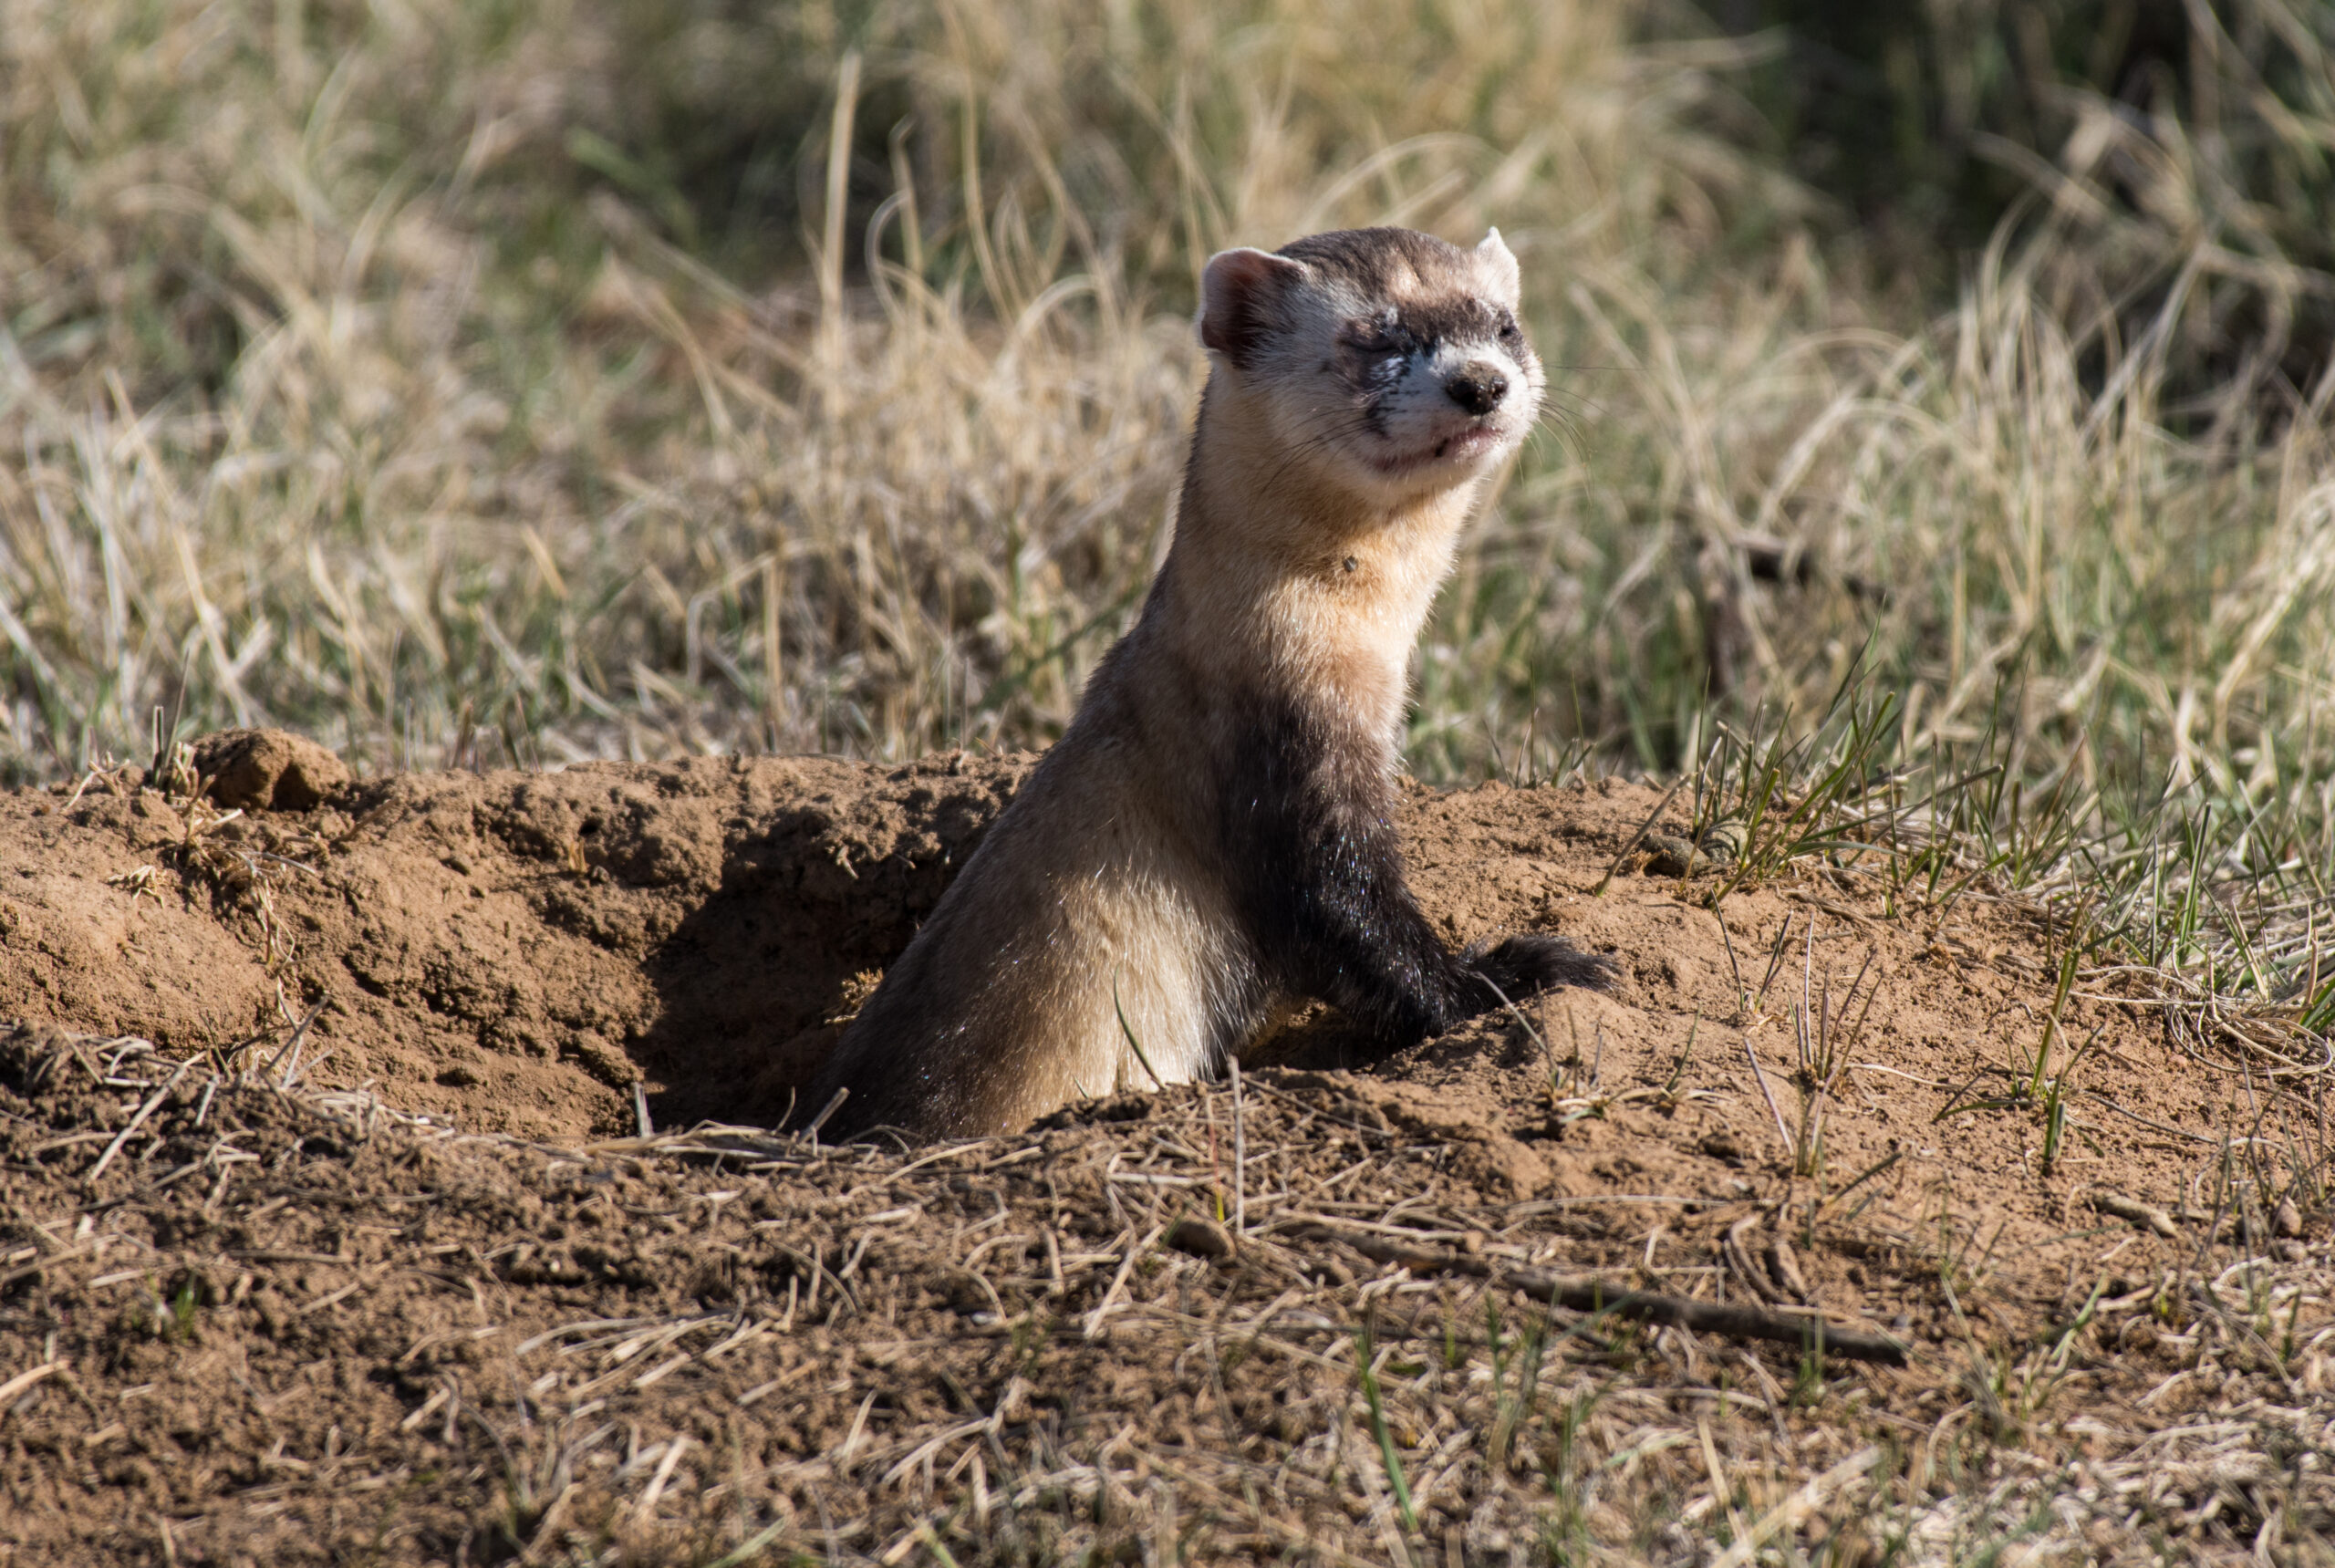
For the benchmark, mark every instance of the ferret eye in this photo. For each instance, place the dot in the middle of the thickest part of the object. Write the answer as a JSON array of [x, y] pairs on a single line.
[[1377, 335], [1509, 332]]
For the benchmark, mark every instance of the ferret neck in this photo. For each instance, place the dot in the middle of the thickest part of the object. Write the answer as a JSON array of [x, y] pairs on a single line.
[[1281, 577]]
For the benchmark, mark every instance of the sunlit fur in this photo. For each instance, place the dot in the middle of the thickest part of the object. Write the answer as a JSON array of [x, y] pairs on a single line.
[[1097, 940]]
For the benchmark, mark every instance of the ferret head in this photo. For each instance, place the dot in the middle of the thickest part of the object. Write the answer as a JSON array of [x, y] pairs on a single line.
[[1388, 363]]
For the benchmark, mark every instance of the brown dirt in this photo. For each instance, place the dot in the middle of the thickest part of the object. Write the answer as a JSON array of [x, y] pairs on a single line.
[[510, 949], [402, 1290]]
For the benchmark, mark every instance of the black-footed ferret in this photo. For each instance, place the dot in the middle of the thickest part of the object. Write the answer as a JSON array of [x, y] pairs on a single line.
[[1212, 837]]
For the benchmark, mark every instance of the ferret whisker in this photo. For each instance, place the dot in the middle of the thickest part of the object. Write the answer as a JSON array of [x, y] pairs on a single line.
[[1574, 402], [1561, 427], [1323, 435]]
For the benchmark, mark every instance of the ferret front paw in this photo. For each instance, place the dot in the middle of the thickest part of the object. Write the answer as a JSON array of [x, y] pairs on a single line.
[[1532, 962]]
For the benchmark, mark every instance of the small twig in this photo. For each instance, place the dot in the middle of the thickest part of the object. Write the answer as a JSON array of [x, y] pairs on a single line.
[[640, 1110], [1588, 1294], [86, 780], [291, 1046], [751, 1549], [657, 1483], [139, 1120], [304, 1070], [2147, 1215], [834, 1103], [1118, 1281], [24, 1380]]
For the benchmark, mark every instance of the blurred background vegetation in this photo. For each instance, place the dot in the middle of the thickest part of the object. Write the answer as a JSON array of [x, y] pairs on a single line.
[[508, 382]]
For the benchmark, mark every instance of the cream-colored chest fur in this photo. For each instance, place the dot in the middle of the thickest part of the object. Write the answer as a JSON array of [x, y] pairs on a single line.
[[1277, 580]]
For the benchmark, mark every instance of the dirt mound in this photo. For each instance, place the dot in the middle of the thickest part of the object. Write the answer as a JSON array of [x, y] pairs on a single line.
[[273, 1293], [517, 952], [512, 950]]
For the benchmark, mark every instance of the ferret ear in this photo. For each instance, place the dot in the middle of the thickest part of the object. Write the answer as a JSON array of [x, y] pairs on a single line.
[[1500, 264], [1235, 294]]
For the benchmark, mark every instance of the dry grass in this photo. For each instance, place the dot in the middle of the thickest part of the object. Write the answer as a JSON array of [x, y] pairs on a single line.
[[381, 375]]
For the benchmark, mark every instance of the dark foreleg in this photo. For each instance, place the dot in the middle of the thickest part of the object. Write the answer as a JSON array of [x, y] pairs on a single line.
[[1320, 870]]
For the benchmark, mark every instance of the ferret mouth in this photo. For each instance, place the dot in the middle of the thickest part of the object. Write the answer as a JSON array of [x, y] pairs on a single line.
[[1462, 446]]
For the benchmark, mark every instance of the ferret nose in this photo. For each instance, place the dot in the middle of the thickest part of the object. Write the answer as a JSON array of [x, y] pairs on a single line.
[[1477, 387]]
